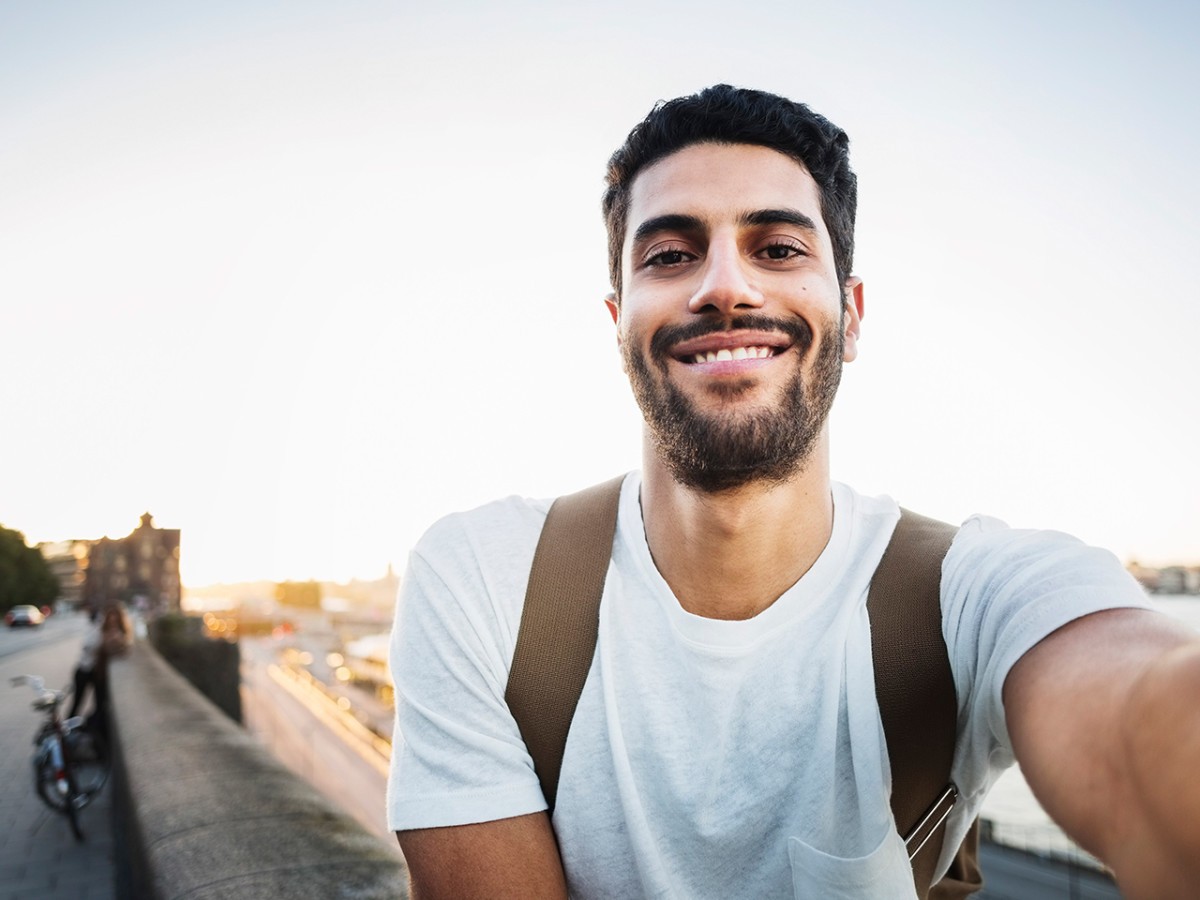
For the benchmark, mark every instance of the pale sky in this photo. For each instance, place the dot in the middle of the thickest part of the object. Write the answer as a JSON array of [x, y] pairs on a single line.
[[299, 278]]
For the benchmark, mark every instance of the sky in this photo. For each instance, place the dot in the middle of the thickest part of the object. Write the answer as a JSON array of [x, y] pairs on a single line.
[[300, 278]]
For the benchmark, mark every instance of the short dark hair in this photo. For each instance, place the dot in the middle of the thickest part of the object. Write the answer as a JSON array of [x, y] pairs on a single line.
[[722, 114]]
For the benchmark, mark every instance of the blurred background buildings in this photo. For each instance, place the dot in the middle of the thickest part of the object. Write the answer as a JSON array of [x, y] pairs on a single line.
[[140, 570]]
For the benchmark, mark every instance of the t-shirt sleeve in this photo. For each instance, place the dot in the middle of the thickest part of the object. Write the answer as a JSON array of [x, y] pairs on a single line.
[[457, 755], [1005, 589]]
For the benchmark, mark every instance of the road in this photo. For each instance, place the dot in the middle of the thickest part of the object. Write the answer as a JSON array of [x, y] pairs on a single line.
[[312, 735], [58, 628]]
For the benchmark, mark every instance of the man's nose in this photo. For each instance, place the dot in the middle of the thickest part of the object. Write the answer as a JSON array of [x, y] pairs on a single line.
[[727, 284]]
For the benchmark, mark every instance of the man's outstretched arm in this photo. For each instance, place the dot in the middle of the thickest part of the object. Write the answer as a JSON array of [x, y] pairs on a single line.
[[1104, 716], [509, 859]]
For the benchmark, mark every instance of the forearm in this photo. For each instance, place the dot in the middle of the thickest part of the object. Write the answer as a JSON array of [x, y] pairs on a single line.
[[508, 859], [1160, 732]]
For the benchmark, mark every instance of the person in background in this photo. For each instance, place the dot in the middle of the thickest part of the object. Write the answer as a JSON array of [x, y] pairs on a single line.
[[108, 636]]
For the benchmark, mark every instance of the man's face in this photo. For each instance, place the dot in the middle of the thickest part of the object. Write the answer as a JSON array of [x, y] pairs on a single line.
[[731, 324]]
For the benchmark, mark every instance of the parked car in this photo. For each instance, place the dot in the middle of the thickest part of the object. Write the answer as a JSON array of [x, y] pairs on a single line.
[[29, 616]]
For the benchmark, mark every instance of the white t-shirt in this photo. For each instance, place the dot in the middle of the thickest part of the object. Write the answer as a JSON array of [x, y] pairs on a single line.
[[714, 758]]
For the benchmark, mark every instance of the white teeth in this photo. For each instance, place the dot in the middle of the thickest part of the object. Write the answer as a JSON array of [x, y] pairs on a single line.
[[736, 353]]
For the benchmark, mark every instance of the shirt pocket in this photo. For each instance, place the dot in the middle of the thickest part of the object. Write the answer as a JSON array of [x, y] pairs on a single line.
[[883, 874]]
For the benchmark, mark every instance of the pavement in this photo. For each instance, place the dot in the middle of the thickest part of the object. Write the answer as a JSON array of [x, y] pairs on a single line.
[[39, 857]]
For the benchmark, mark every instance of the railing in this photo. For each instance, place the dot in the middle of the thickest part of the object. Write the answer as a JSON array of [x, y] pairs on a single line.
[[1047, 841]]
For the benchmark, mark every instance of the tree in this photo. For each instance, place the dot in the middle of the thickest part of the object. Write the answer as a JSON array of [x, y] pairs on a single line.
[[25, 576]]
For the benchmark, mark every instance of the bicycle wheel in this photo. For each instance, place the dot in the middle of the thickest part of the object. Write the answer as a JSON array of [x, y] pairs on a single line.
[[86, 758], [55, 793]]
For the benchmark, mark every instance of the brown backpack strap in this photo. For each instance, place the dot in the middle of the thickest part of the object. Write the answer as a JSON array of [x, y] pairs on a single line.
[[560, 622], [917, 701]]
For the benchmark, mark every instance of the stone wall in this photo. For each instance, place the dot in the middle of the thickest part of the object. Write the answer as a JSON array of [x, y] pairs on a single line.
[[205, 812]]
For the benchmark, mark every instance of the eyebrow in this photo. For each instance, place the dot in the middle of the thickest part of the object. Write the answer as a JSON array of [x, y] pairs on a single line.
[[757, 218], [668, 222], [779, 217]]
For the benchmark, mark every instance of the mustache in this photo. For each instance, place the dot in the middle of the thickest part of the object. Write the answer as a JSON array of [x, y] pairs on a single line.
[[669, 335]]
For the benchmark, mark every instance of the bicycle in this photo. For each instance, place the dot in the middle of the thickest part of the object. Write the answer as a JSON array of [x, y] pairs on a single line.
[[70, 762]]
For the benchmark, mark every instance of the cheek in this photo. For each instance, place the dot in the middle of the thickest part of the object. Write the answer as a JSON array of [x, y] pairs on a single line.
[[622, 354], [630, 326], [644, 312]]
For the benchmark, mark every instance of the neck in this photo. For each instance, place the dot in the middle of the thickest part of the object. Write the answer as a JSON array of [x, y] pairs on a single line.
[[731, 554]]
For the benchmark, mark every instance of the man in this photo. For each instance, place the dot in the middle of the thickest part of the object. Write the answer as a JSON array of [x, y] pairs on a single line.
[[727, 742]]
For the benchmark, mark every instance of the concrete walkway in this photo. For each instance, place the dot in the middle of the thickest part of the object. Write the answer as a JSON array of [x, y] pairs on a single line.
[[39, 857]]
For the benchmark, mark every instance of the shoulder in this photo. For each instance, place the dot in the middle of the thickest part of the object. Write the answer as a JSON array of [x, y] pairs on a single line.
[[473, 564], [476, 561], [506, 529], [1005, 589], [498, 529], [461, 596], [990, 557]]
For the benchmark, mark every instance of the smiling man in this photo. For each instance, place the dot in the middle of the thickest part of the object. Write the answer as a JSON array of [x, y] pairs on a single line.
[[727, 740]]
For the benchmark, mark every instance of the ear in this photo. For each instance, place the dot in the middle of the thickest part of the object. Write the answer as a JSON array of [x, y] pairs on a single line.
[[614, 308], [852, 317]]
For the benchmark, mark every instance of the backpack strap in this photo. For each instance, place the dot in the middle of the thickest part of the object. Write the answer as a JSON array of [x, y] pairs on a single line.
[[560, 622], [917, 701]]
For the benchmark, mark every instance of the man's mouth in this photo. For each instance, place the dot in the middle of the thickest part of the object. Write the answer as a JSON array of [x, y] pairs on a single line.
[[735, 347], [730, 346], [723, 354]]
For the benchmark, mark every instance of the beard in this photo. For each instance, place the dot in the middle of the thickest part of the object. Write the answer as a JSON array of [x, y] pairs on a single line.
[[720, 451]]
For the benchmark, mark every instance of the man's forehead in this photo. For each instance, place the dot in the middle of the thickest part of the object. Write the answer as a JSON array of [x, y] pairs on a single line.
[[710, 178]]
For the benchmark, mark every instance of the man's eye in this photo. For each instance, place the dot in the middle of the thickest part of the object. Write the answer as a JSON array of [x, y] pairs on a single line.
[[782, 251], [668, 258]]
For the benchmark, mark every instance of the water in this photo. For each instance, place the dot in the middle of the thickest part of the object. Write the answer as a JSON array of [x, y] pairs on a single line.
[[1017, 818]]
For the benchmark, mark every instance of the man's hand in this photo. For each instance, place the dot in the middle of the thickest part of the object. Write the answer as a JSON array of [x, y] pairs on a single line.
[[1105, 721], [509, 859]]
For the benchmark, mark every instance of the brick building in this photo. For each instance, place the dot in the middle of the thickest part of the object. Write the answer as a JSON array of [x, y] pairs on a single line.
[[141, 570]]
